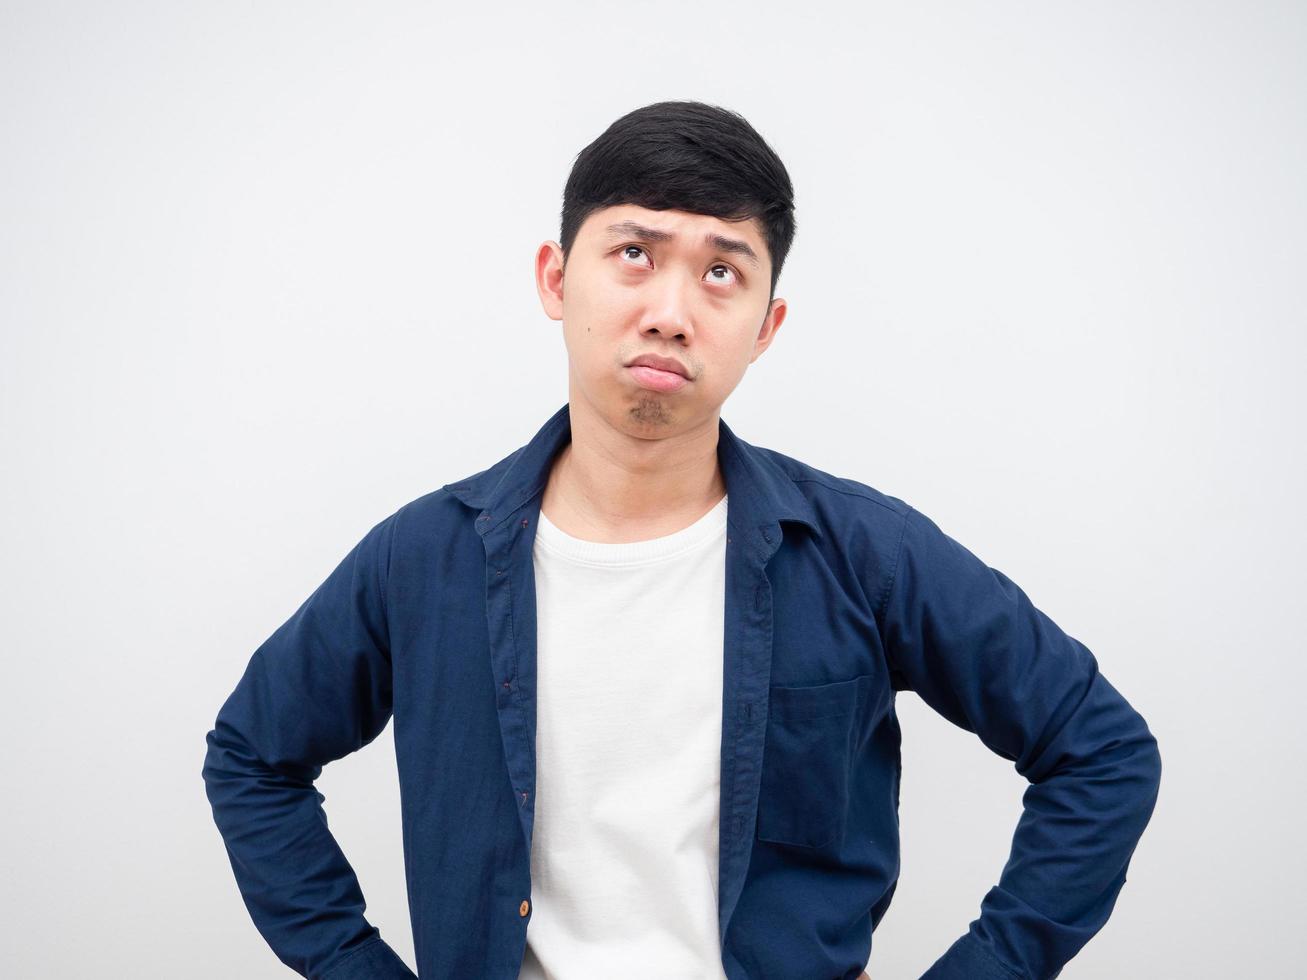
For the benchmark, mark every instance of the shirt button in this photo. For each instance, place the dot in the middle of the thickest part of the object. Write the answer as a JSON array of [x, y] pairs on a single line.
[[524, 908]]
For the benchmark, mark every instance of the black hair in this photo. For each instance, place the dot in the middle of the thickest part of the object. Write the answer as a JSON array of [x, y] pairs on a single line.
[[684, 156]]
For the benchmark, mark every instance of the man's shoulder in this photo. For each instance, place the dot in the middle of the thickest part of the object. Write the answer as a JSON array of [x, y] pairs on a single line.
[[861, 522], [452, 499], [837, 497]]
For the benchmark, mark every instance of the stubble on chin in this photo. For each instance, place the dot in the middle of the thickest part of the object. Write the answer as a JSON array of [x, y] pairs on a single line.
[[650, 410]]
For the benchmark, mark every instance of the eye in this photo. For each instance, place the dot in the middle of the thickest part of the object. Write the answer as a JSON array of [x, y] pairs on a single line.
[[728, 280], [726, 268]]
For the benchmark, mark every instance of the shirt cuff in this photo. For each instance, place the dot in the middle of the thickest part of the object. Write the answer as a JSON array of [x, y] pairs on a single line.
[[969, 958], [374, 960]]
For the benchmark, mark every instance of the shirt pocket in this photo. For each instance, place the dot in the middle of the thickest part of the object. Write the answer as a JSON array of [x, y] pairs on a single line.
[[807, 759]]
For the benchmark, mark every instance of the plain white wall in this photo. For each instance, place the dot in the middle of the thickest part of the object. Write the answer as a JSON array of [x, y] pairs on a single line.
[[267, 275]]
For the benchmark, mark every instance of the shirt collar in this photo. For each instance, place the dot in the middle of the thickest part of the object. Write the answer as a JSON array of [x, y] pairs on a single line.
[[761, 493]]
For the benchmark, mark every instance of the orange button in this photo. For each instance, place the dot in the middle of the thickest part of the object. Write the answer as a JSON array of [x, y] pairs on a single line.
[[524, 908]]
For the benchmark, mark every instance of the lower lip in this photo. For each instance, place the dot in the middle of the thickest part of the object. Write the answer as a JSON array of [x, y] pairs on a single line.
[[656, 380]]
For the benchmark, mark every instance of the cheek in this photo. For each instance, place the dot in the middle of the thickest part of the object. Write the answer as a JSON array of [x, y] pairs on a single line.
[[597, 306]]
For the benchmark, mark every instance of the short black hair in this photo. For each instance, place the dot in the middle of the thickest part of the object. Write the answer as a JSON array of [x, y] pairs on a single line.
[[684, 156]]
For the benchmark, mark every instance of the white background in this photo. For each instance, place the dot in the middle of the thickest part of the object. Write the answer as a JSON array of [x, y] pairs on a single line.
[[267, 275]]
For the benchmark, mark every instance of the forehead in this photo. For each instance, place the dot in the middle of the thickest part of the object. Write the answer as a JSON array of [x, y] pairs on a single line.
[[685, 224], [683, 228]]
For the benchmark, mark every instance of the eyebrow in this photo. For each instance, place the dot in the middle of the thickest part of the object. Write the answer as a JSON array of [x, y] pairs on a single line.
[[633, 229]]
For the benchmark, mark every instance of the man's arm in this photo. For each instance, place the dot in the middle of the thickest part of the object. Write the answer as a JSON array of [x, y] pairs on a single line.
[[316, 690], [974, 648]]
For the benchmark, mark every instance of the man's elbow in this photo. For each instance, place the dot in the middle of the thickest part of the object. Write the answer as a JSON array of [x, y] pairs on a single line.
[[1150, 767], [1138, 777], [1129, 755]]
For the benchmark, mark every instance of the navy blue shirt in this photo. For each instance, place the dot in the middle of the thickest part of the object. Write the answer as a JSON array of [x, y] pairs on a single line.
[[838, 596]]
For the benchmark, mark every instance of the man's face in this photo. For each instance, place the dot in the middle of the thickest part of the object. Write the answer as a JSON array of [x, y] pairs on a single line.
[[683, 286]]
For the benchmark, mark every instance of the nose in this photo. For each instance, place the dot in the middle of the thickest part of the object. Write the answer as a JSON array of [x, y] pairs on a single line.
[[668, 308]]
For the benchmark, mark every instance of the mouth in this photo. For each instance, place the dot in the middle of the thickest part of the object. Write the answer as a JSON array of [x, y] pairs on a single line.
[[656, 379]]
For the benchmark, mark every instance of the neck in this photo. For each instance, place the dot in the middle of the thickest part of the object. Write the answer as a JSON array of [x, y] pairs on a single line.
[[613, 485]]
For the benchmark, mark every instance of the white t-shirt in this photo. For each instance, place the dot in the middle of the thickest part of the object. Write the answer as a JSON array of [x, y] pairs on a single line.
[[628, 754]]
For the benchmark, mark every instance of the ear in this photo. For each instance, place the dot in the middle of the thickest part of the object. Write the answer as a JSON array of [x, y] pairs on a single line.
[[771, 323], [549, 278]]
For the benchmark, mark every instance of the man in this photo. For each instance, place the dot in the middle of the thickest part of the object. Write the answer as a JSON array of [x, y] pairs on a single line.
[[643, 673]]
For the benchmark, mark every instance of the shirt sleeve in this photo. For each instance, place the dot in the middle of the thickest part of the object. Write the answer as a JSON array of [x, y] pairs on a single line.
[[969, 642], [316, 690]]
